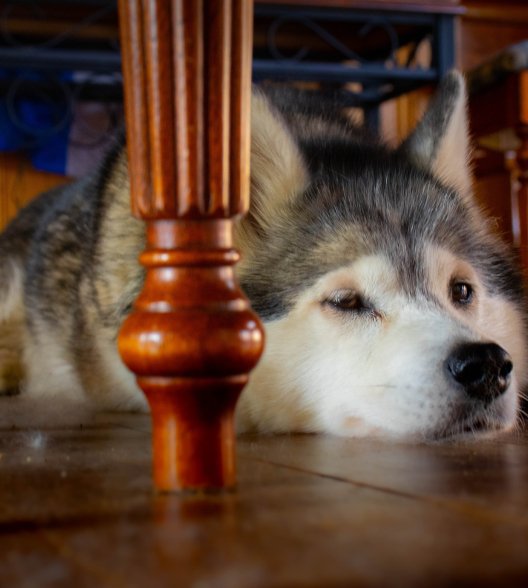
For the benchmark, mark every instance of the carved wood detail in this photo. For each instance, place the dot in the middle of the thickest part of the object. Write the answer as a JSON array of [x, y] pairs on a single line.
[[192, 337]]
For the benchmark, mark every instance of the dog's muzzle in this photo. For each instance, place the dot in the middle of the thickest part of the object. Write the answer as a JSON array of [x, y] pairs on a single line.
[[483, 369]]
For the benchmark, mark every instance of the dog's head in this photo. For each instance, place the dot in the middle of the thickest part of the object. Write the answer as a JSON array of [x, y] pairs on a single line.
[[390, 306]]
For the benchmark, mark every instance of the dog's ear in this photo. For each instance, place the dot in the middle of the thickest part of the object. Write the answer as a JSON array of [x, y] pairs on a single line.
[[440, 142], [278, 171]]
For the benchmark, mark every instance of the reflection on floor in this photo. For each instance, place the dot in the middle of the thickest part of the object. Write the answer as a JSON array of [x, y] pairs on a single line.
[[77, 509]]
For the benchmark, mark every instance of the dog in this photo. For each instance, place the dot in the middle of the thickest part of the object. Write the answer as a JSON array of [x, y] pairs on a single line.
[[390, 306]]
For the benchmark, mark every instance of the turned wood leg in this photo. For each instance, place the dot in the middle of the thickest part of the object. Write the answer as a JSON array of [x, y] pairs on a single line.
[[522, 193], [192, 337]]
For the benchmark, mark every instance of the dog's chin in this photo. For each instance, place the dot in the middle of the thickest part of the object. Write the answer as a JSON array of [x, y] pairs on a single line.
[[480, 425], [471, 425]]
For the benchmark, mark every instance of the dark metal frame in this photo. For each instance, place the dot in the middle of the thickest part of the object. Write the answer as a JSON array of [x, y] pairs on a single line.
[[381, 79]]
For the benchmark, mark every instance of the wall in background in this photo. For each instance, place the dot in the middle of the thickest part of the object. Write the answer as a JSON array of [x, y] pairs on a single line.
[[20, 182]]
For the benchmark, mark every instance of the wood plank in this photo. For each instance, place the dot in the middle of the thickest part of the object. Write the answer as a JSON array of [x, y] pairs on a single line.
[[78, 509], [483, 478]]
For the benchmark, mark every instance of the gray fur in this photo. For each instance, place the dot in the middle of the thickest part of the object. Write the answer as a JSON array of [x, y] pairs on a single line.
[[384, 199], [422, 146]]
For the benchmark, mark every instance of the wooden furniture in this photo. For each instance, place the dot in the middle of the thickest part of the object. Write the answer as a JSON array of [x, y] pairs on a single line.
[[367, 49], [499, 124], [483, 28], [191, 338], [78, 510], [490, 34], [83, 35], [486, 27]]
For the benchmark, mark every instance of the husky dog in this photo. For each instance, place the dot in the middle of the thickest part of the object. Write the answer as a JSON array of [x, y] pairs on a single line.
[[390, 307]]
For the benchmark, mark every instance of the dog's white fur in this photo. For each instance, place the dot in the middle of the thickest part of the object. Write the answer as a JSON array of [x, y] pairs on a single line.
[[304, 381], [381, 376]]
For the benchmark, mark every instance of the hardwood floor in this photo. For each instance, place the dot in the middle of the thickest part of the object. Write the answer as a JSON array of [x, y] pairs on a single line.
[[77, 509]]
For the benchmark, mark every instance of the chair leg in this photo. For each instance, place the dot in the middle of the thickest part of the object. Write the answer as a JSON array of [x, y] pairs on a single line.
[[191, 338]]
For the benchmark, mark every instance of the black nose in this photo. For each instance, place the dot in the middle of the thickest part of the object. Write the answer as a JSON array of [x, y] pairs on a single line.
[[484, 369]]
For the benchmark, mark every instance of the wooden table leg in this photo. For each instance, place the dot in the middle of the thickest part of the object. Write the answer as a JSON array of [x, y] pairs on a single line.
[[192, 337]]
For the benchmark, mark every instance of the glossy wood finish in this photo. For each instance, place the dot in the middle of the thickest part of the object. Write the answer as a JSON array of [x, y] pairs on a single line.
[[78, 510], [192, 338], [522, 190], [508, 101], [492, 172], [487, 27]]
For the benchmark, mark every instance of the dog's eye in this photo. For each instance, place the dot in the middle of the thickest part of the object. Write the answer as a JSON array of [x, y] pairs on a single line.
[[346, 300], [461, 292]]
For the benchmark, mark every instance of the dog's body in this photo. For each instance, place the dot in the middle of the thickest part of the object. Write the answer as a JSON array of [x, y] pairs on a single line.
[[389, 306]]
